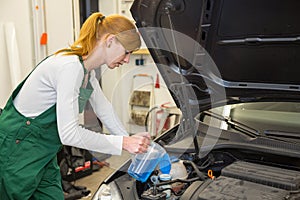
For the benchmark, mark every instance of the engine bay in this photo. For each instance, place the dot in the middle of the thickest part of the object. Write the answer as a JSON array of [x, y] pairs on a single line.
[[220, 175]]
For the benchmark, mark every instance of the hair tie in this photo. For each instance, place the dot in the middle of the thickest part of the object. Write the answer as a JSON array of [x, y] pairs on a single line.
[[100, 19]]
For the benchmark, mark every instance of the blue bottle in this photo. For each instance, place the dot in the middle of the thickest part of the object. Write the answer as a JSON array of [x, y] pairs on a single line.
[[144, 164]]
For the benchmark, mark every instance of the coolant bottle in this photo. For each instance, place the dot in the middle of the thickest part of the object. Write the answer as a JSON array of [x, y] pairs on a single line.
[[144, 164]]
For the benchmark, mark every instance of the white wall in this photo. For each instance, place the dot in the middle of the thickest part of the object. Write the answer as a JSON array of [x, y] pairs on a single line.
[[17, 13], [108, 7], [58, 22]]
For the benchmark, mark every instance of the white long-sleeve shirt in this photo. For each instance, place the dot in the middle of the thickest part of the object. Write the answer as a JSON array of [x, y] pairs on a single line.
[[57, 81]]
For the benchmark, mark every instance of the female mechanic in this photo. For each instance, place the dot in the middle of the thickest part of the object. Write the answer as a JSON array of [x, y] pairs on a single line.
[[42, 113]]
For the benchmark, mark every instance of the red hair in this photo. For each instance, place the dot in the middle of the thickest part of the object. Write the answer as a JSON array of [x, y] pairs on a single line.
[[97, 26]]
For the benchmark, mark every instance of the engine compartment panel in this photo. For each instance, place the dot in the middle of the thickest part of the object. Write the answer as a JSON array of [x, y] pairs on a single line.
[[230, 188], [233, 179], [263, 174]]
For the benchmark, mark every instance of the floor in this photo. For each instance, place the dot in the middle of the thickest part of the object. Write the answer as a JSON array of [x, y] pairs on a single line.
[[93, 181]]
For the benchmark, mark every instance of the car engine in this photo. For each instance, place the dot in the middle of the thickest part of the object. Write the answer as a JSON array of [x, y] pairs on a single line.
[[221, 175]]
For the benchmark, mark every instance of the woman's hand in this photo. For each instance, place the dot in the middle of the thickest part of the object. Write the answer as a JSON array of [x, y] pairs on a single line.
[[137, 143]]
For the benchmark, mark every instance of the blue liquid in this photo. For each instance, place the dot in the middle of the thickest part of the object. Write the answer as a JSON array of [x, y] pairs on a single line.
[[142, 169], [165, 164], [142, 174]]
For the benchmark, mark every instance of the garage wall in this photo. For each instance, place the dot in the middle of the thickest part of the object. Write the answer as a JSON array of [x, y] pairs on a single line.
[[16, 48], [19, 47], [62, 18]]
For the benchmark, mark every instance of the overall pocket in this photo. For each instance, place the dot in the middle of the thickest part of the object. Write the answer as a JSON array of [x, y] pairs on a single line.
[[23, 146]]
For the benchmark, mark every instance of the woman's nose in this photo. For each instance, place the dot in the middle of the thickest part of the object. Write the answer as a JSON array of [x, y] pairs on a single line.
[[127, 58]]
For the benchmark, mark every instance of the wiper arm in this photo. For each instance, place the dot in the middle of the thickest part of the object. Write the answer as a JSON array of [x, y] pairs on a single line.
[[234, 124], [285, 134]]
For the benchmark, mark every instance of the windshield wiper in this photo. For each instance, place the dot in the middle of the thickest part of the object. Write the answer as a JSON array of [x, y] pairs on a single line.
[[234, 124], [285, 134]]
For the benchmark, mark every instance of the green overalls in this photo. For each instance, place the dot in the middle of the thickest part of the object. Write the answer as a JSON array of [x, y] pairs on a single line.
[[28, 148], [86, 89]]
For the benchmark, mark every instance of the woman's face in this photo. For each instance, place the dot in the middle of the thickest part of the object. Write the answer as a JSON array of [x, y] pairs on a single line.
[[116, 54]]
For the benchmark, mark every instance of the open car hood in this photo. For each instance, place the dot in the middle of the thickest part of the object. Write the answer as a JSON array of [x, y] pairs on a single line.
[[213, 52]]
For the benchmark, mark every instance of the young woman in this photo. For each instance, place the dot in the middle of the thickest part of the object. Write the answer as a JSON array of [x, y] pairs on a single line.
[[42, 113]]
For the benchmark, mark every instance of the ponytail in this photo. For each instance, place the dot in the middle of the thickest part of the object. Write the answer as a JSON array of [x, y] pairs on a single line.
[[96, 27]]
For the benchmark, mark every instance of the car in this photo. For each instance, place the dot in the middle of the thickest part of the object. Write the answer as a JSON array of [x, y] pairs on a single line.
[[233, 69]]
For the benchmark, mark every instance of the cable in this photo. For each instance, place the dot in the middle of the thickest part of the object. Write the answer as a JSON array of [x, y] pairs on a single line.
[[147, 116]]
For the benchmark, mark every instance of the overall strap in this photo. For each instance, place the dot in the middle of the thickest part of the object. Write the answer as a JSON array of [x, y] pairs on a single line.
[[16, 91], [88, 84]]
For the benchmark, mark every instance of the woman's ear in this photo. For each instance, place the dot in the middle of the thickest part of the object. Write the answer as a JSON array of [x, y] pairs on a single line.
[[109, 40]]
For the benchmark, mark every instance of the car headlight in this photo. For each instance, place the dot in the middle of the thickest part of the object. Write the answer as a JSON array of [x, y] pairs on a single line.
[[108, 192]]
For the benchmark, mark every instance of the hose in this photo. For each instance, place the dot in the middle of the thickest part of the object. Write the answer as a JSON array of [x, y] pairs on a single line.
[[200, 174]]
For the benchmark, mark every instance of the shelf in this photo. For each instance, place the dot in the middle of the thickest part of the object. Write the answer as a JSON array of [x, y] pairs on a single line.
[[141, 51]]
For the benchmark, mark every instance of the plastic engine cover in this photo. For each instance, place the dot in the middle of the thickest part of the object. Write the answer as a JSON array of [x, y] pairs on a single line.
[[224, 188], [263, 174]]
